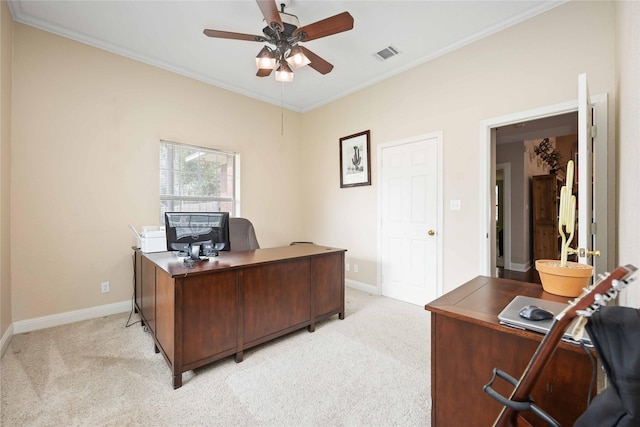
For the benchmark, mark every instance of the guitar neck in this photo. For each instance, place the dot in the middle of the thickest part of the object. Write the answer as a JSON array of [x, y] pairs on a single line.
[[509, 417]]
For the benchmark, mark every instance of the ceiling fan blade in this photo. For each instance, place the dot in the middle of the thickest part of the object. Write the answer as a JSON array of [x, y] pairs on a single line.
[[317, 63], [263, 72], [234, 36], [332, 25], [269, 10]]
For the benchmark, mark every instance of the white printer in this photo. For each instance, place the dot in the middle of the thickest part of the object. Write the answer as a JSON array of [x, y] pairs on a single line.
[[151, 239]]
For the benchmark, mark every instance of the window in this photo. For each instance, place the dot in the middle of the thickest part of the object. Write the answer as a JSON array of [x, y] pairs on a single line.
[[195, 179]]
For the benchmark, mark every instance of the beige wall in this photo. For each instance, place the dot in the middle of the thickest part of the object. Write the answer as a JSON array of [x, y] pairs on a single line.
[[531, 65], [86, 127], [5, 166], [628, 140]]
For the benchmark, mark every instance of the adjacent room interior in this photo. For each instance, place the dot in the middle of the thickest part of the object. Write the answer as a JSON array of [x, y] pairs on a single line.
[[518, 159]]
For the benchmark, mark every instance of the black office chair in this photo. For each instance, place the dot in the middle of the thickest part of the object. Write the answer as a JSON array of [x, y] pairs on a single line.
[[615, 333], [242, 235]]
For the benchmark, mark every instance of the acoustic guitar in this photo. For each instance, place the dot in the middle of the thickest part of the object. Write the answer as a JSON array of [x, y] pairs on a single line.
[[592, 298]]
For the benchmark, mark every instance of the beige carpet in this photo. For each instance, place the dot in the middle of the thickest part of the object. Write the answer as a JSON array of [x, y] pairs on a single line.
[[370, 369]]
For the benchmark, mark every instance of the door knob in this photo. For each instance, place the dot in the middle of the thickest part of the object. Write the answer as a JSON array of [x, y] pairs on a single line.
[[582, 252], [431, 233]]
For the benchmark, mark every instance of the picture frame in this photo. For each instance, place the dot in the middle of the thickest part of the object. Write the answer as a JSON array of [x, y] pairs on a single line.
[[355, 160]]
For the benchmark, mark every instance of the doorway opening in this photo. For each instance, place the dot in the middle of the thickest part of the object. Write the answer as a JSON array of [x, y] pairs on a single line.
[[516, 146], [533, 124]]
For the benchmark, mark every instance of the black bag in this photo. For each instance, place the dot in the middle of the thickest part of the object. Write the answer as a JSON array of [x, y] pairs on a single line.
[[615, 333]]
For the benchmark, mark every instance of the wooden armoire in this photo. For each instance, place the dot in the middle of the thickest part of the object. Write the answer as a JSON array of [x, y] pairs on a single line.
[[545, 202]]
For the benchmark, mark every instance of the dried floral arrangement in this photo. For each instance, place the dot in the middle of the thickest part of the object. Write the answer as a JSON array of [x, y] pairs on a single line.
[[548, 153]]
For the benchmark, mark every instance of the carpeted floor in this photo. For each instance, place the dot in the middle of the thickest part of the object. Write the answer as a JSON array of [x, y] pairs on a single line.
[[370, 369]]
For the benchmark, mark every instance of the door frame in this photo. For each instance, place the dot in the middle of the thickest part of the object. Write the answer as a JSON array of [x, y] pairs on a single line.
[[438, 136], [506, 214], [487, 179]]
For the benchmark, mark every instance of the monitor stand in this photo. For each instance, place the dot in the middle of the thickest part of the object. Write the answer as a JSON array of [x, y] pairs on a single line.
[[193, 256], [195, 253]]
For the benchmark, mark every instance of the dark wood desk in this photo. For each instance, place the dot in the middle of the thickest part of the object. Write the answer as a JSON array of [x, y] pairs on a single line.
[[467, 342], [234, 301]]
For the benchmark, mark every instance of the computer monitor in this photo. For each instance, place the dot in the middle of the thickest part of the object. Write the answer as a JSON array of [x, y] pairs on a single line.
[[197, 234]]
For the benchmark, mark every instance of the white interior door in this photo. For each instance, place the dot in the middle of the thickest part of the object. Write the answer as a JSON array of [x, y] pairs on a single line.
[[586, 179], [409, 220]]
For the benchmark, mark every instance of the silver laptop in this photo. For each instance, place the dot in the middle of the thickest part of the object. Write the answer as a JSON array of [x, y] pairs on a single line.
[[510, 316]]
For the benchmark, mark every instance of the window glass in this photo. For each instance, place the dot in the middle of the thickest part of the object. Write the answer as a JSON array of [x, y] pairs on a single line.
[[196, 179]]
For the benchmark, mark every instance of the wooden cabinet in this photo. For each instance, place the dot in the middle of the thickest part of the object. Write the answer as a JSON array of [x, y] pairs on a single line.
[[545, 202], [468, 341]]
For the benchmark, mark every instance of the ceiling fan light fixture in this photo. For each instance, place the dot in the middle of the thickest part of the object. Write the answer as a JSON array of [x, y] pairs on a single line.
[[283, 31], [266, 59], [284, 73], [297, 58]]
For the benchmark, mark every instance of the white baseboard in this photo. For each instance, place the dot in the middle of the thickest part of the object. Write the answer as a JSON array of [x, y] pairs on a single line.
[[105, 310], [6, 339], [523, 268], [364, 287], [70, 317]]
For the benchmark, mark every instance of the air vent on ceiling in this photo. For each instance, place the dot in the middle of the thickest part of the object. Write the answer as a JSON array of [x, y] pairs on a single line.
[[387, 53]]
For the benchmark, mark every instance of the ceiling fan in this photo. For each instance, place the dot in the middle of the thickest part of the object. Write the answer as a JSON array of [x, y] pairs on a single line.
[[283, 31]]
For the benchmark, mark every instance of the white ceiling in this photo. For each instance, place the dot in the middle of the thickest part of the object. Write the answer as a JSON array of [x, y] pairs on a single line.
[[168, 34], [560, 125]]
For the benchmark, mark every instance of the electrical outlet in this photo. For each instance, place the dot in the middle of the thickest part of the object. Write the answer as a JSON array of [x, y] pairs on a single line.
[[105, 287], [355, 268]]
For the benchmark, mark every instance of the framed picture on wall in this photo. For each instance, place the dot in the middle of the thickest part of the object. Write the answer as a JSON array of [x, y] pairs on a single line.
[[355, 160]]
